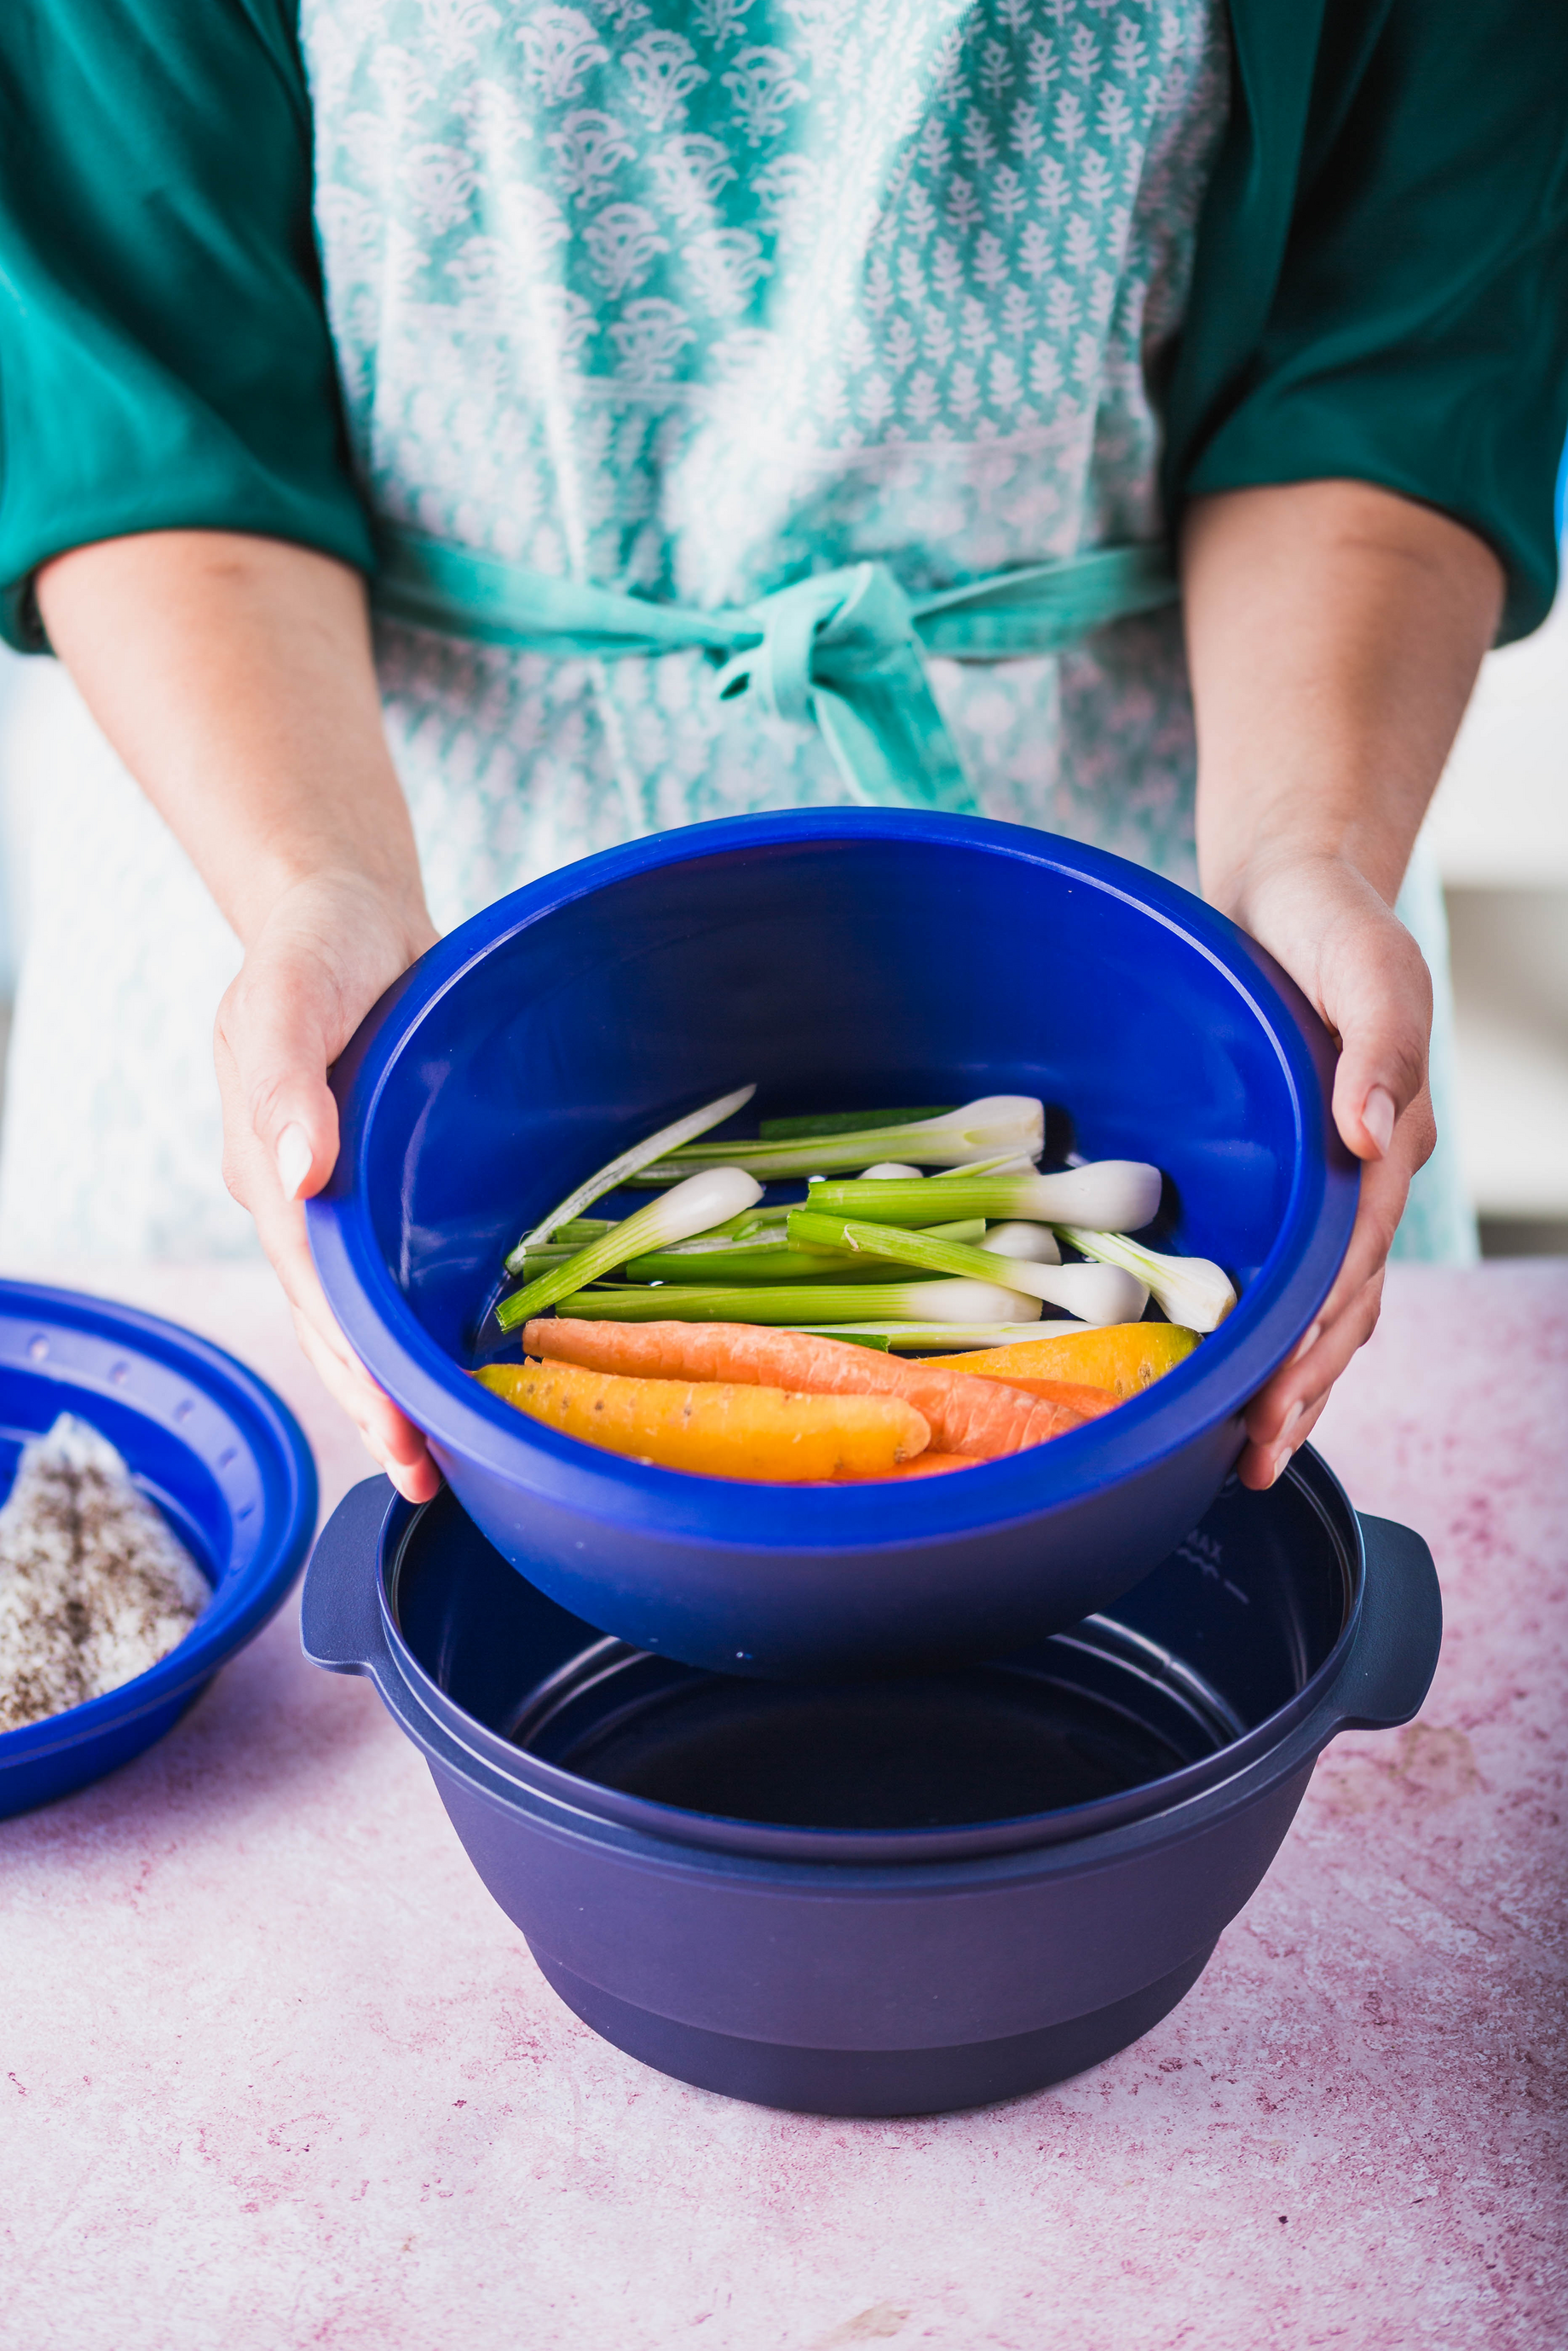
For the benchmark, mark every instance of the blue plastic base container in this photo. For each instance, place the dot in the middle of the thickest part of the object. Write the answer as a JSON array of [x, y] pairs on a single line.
[[207, 1441], [869, 2082], [902, 1896], [839, 957]]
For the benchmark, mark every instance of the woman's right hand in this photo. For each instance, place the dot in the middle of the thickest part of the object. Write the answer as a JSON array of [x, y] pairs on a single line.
[[234, 677], [328, 948]]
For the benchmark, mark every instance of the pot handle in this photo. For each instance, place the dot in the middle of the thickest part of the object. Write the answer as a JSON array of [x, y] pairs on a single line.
[[1401, 1631], [340, 1622]]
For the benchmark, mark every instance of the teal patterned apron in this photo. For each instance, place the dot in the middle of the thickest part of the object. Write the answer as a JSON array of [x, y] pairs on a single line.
[[697, 302]]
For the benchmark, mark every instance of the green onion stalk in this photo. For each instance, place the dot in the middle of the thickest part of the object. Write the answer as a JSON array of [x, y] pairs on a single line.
[[847, 1121], [933, 1338], [998, 1124], [795, 1304], [770, 1257], [627, 1164], [1094, 1293], [567, 1240], [1035, 1242], [1191, 1290], [1009, 1163], [689, 1207], [748, 1268], [1107, 1195]]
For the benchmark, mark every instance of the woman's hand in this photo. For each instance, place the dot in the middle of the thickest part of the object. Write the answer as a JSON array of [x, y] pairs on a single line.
[[1334, 634], [234, 676], [1364, 974], [328, 948]]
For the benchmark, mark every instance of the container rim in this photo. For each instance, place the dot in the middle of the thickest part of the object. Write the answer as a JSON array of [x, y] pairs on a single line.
[[100, 1334], [899, 1848], [1212, 1386]]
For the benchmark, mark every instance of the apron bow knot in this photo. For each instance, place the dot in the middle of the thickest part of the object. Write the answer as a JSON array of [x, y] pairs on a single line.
[[844, 648]]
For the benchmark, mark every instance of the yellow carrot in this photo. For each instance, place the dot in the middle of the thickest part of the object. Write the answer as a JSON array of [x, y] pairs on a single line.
[[714, 1429], [925, 1465], [1124, 1357]]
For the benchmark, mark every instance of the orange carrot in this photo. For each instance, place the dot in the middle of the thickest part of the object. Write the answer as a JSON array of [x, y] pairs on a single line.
[[713, 1429], [974, 1416], [1088, 1403]]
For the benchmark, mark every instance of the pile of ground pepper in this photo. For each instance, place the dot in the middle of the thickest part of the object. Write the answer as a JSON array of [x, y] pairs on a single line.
[[94, 1586]]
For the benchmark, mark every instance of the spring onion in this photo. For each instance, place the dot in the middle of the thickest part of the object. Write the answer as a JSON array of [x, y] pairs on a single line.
[[770, 1257], [923, 1338], [689, 1207], [747, 1268], [1094, 1293], [847, 1121], [749, 1222], [887, 1170], [1010, 1163], [1110, 1194], [1191, 1290], [568, 1238], [621, 1170], [997, 1123], [1037, 1243], [798, 1304], [714, 1255]]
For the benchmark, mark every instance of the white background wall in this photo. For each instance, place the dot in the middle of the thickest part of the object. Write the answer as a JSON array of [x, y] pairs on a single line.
[[1500, 825]]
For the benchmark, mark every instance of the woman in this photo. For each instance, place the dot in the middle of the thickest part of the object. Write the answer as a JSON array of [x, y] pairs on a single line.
[[500, 303]]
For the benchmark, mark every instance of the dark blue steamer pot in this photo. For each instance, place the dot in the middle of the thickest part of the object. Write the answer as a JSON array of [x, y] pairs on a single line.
[[220, 1455], [838, 958], [897, 1897]]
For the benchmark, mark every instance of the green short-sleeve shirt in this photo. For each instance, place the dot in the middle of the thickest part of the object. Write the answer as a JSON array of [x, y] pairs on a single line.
[[1378, 290]]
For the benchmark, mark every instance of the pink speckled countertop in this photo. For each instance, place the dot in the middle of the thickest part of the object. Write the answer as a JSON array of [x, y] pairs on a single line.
[[276, 2072]]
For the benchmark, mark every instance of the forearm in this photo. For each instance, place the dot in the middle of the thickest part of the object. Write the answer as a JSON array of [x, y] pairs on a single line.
[[234, 676], [1333, 635]]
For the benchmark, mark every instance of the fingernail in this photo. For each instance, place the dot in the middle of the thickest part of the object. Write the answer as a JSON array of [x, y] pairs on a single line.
[[1377, 1117], [1281, 1463], [294, 1156], [1291, 1416], [1305, 1344]]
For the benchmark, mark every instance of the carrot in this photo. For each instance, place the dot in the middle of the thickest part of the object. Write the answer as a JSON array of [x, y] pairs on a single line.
[[716, 1429], [1124, 1357], [1089, 1403], [925, 1465], [977, 1417]]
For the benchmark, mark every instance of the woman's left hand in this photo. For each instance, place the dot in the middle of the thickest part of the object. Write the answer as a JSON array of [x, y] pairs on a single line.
[[1334, 634], [1364, 974]]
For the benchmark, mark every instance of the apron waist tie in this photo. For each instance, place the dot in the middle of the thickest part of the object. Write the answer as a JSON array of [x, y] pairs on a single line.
[[843, 648]]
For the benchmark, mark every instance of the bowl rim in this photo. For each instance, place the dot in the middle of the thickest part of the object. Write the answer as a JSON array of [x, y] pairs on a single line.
[[466, 1424], [241, 1604]]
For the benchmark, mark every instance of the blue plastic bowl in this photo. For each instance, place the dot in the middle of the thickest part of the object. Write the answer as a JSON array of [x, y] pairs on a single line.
[[222, 1458], [896, 1896], [838, 958]]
